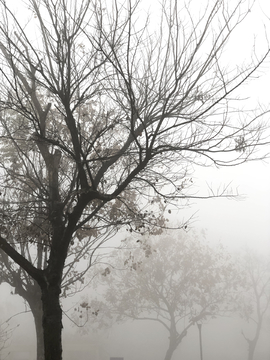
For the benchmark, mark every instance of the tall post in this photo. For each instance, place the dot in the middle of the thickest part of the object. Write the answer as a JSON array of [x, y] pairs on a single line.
[[200, 337]]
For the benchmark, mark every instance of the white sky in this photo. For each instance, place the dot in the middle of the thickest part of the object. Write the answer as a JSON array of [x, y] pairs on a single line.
[[243, 221], [246, 221]]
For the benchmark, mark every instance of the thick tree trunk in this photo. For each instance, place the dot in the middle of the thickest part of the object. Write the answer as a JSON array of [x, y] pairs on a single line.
[[31, 292], [36, 308], [52, 322]]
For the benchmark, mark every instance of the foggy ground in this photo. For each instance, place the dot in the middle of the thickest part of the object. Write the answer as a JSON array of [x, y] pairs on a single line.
[[222, 338]]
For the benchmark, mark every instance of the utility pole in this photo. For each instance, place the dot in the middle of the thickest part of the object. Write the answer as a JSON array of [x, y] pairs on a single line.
[[200, 337]]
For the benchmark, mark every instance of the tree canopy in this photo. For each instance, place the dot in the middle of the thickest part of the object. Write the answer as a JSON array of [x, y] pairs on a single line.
[[102, 117], [254, 301], [175, 280]]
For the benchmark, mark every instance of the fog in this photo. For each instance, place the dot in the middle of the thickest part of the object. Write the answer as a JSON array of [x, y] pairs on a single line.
[[243, 221], [237, 223], [221, 339]]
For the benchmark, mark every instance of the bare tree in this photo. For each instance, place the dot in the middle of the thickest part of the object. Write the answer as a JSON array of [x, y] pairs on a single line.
[[3, 339], [5, 335], [175, 282], [73, 279], [101, 118], [254, 301]]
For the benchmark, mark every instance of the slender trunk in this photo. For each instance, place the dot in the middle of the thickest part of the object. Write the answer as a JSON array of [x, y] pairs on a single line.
[[200, 339], [170, 352], [172, 346], [52, 322], [253, 343], [251, 349]]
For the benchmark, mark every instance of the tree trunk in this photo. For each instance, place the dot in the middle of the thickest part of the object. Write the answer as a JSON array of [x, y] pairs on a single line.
[[253, 343], [36, 309], [31, 293], [172, 344], [170, 352], [251, 350], [52, 322], [251, 347], [40, 337]]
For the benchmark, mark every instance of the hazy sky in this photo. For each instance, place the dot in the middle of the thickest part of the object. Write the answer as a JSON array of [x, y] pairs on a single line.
[[246, 220]]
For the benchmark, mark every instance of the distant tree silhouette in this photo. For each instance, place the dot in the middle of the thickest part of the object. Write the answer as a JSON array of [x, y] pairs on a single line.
[[255, 300], [174, 281], [103, 116]]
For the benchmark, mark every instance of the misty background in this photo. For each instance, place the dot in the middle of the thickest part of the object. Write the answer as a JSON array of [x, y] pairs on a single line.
[[241, 222]]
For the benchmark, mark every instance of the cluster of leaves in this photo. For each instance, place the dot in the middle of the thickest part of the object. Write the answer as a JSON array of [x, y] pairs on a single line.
[[25, 216]]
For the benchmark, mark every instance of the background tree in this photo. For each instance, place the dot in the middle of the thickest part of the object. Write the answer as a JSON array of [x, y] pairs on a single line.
[[254, 301], [3, 339], [85, 244], [5, 335], [175, 281], [83, 250], [101, 118]]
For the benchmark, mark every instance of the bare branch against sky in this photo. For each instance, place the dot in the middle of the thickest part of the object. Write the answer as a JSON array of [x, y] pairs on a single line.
[[104, 116]]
